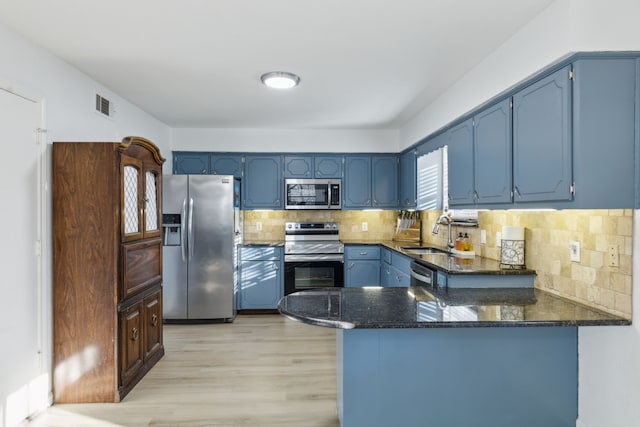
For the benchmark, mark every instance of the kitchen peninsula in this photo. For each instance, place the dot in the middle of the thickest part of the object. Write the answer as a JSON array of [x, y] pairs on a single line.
[[420, 356]]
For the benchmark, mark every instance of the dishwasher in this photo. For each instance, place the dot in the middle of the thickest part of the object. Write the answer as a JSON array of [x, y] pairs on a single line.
[[421, 275]]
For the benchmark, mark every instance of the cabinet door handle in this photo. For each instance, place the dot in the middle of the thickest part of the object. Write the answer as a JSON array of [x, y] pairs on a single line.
[[275, 266], [516, 191], [154, 320], [135, 334], [350, 266]]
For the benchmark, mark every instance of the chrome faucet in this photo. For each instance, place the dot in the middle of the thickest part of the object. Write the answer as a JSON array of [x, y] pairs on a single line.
[[444, 219]]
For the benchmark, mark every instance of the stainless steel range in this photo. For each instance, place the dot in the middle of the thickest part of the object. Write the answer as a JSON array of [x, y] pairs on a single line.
[[313, 256]]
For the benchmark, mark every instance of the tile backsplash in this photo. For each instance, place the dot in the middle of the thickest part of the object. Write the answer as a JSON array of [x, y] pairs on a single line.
[[547, 235]]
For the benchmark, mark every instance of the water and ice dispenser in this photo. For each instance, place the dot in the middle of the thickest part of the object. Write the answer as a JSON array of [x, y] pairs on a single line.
[[171, 229]]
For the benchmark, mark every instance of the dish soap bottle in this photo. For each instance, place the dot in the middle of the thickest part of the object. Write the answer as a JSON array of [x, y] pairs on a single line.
[[466, 243]]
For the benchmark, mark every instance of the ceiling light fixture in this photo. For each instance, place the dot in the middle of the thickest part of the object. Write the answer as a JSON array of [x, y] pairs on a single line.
[[280, 80]]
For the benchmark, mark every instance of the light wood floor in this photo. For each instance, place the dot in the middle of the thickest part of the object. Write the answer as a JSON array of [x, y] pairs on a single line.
[[261, 370]]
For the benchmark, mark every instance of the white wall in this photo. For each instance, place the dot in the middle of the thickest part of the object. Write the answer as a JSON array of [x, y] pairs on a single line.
[[68, 99], [609, 357]]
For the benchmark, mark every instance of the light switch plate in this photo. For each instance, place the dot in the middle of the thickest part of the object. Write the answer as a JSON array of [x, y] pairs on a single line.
[[365, 226], [574, 250], [258, 226], [483, 237]]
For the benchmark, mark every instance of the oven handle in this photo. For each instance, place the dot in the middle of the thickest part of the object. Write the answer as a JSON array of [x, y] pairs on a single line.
[[312, 258]]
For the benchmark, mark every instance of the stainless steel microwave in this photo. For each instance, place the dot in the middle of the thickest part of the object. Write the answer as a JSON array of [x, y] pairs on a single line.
[[312, 193]]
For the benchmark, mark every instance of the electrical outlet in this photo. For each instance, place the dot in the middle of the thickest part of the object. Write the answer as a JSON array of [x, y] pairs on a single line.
[[259, 226], [498, 239], [483, 237], [365, 226], [574, 251], [613, 256]]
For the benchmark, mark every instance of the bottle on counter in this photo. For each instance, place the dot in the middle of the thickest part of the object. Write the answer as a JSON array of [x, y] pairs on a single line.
[[466, 243], [459, 245]]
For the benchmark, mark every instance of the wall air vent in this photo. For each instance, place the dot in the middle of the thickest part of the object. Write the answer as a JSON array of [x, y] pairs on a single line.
[[103, 105]]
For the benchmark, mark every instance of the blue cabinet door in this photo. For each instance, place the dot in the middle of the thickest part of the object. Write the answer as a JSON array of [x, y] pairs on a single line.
[[460, 164], [362, 273], [329, 166], [407, 188], [185, 163], [384, 181], [492, 154], [261, 285], [356, 188], [604, 132], [542, 158], [227, 164], [298, 166], [262, 183]]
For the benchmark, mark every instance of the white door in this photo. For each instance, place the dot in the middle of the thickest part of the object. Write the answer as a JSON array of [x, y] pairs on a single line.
[[21, 308]]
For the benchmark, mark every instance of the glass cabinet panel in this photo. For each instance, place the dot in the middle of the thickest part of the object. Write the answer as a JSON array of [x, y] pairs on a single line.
[[131, 208], [151, 202]]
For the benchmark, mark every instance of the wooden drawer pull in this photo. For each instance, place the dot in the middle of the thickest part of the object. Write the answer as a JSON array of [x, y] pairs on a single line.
[[154, 320], [135, 334]]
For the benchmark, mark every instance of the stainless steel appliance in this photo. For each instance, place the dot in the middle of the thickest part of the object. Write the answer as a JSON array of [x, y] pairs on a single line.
[[421, 275], [312, 193], [313, 256], [202, 228]]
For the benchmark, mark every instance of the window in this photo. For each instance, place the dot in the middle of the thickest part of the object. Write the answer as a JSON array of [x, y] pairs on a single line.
[[432, 180]]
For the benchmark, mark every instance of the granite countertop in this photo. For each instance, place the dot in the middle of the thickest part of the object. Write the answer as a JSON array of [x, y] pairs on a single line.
[[421, 307], [449, 264]]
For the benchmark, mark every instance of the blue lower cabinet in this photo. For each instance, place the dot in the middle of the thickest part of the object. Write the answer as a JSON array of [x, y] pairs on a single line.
[[362, 266], [261, 284]]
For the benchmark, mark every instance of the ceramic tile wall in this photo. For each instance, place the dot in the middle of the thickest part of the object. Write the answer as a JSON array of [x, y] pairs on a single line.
[[547, 234], [380, 224]]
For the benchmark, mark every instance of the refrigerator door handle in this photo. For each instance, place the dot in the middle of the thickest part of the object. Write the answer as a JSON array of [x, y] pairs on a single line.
[[190, 228], [183, 233]]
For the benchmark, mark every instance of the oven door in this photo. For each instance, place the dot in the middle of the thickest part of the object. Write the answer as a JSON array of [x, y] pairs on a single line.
[[304, 274]]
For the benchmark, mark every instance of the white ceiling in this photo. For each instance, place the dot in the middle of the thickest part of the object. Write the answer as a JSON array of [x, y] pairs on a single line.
[[364, 64]]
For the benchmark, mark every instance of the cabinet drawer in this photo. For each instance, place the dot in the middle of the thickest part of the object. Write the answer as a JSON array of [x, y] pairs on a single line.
[[260, 253], [141, 266], [385, 255], [363, 252]]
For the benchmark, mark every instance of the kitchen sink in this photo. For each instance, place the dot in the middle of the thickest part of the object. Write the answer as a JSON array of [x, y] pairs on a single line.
[[425, 251]]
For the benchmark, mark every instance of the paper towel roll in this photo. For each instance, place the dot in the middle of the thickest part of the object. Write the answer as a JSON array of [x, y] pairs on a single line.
[[512, 233]]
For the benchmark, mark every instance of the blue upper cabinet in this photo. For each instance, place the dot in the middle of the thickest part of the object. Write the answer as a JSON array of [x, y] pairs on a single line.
[[313, 166], [356, 188], [407, 191], [298, 166], [460, 160], [542, 153], [492, 154], [384, 178], [188, 163], [227, 164], [328, 166], [262, 184], [604, 132]]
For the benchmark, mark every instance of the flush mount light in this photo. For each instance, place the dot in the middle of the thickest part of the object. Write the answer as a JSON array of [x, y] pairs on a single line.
[[280, 80]]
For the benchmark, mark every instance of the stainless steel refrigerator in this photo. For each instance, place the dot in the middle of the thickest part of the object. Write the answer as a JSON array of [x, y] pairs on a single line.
[[202, 228]]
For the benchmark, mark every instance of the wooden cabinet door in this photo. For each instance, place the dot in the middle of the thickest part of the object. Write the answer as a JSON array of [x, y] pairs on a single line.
[[542, 152], [460, 164], [152, 324], [131, 342], [262, 185], [190, 163], [357, 182], [492, 154], [131, 184], [384, 181]]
